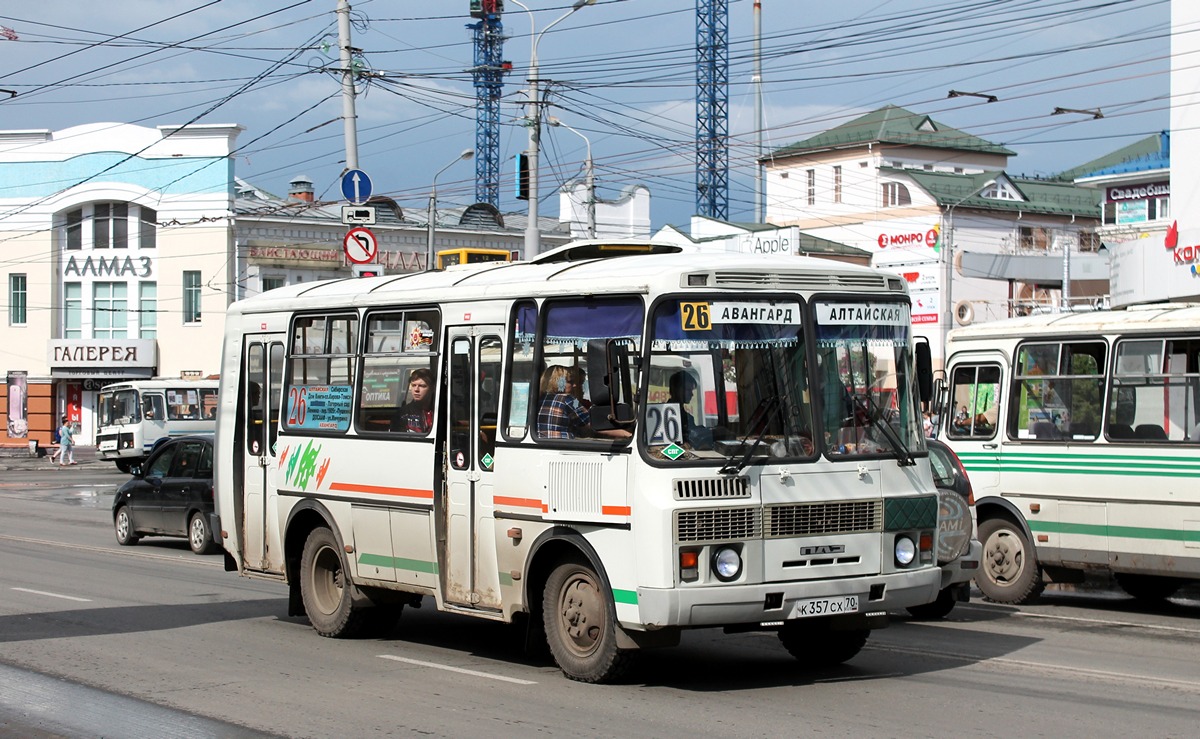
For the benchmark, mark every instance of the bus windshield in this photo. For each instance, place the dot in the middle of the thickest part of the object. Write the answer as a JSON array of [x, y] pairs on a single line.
[[727, 377], [119, 407], [864, 378]]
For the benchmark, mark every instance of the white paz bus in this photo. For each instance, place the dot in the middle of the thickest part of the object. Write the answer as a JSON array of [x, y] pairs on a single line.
[[1081, 434], [133, 416], [620, 440]]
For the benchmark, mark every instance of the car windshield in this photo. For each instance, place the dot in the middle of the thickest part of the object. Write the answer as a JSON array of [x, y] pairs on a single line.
[[727, 381]]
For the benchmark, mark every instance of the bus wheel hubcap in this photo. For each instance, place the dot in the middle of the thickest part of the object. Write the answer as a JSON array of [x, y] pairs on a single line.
[[582, 614]]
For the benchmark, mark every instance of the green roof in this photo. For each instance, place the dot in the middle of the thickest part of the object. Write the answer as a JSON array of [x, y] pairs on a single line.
[[1049, 197], [892, 125]]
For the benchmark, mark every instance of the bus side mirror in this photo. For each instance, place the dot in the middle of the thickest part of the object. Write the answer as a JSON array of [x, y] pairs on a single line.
[[939, 397], [610, 384], [924, 359]]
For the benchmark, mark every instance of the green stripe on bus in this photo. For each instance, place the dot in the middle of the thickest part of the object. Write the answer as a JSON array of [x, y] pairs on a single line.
[[1122, 532], [625, 596], [972, 469], [398, 563], [506, 579]]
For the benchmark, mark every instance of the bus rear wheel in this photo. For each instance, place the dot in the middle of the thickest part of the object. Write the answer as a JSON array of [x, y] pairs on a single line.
[[817, 644], [124, 465], [326, 589], [580, 625], [1009, 572]]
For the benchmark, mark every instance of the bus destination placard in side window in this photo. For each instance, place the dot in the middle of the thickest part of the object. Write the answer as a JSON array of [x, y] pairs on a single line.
[[320, 407]]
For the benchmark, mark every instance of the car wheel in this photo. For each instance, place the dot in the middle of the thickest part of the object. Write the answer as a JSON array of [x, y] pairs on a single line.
[[816, 644], [199, 535], [326, 589], [123, 525], [1009, 572], [580, 624], [938, 609], [1148, 587]]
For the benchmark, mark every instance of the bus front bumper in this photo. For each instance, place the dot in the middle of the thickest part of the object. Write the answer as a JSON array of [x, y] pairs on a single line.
[[727, 605]]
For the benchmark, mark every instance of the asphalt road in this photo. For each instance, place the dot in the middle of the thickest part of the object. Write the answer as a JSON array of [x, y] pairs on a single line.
[[151, 640]]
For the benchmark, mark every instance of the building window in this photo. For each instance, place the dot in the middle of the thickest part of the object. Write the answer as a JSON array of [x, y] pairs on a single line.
[[895, 193], [18, 292], [837, 184], [271, 283], [147, 228], [148, 310], [812, 186], [72, 310], [110, 227], [191, 297], [110, 310]]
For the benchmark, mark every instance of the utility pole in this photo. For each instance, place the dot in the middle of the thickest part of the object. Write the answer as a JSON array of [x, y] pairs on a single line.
[[760, 210], [349, 117]]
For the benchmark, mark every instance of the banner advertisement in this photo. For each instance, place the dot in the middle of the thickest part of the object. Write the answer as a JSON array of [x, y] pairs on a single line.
[[18, 420]]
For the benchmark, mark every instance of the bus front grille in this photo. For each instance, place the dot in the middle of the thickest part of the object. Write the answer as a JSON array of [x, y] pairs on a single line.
[[813, 519], [717, 524], [712, 488], [756, 279]]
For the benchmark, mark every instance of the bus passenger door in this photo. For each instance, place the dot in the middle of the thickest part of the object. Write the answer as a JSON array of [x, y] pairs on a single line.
[[262, 380], [973, 418], [471, 577]]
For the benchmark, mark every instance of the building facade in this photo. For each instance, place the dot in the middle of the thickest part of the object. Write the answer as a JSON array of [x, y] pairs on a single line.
[[118, 245], [937, 206]]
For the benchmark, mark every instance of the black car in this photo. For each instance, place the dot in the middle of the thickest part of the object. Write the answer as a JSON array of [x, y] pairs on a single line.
[[958, 552], [171, 494]]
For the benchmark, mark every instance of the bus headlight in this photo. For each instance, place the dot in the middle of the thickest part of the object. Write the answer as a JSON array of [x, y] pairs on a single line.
[[906, 551], [727, 564]]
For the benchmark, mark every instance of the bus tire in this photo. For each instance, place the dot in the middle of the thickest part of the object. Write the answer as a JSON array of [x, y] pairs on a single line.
[[938, 609], [580, 623], [1009, 572], [816, 644], [326, 589], [1148, 587], [124, 465]]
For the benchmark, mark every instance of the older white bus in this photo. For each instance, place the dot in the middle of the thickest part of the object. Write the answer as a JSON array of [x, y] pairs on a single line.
[[620, 440], [1081, 435], [133, 416]]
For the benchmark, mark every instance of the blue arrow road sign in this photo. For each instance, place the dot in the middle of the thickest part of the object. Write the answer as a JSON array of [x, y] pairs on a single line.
[[356, 186]]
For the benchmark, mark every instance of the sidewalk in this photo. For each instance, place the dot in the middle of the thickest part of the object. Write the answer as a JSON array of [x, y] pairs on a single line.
[[85, 456]]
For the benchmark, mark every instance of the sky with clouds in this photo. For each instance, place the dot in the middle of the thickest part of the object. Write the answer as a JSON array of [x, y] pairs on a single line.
[[622, 71]]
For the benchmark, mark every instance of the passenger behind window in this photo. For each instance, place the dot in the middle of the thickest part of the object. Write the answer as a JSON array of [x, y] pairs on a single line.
[[681, 388], [561, 415], [416, 415]]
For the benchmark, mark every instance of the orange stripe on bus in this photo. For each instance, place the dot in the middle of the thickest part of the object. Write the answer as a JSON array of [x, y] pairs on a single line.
[[615, 510], [518, 502], [349, 487]]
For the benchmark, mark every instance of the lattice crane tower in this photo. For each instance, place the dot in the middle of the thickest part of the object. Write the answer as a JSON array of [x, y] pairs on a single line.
[[712, 108], [488, 72]]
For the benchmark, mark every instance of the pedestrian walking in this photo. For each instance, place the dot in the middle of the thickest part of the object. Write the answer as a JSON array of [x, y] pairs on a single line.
[[66, 443]]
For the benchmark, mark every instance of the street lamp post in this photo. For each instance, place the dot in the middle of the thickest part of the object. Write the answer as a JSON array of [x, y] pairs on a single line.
[[533, 236], [589, 177], [432, 216]]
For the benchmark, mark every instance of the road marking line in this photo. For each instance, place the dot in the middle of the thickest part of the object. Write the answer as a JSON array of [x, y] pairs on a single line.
[[54, 595], [461, 670], [1104, 622], [120, 552]]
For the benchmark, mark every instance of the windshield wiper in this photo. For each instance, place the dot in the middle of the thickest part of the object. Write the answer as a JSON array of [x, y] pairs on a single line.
[[868, 407], [761, 416]]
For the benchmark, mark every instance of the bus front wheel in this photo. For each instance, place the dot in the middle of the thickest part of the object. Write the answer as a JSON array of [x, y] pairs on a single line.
[[326, 589], [815, 643], [1009, 572], [124, 465], [580, 623]]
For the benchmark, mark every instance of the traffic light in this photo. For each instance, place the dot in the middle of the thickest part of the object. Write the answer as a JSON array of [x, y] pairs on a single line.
[[367, 270]]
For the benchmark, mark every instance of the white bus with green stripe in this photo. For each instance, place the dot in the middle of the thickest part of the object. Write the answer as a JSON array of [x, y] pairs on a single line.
[[1081, 435], [753, 457]]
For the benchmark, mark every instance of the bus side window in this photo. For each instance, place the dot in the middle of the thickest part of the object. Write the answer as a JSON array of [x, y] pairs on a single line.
[[974, 407]]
